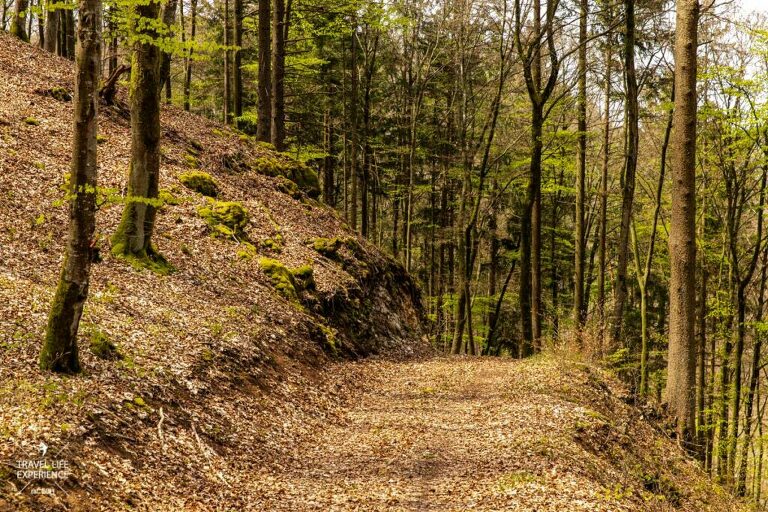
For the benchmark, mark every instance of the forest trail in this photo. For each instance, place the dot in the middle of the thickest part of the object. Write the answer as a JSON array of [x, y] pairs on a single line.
[[483, 434]]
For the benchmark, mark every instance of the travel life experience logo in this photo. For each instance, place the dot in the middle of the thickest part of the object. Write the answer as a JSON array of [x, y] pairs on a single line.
[[44, 471]]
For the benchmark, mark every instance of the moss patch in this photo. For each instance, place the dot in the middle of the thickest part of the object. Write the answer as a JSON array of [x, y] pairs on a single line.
[[200, 182], [31, 121], [302, 176], [102, 347], [328, 247], [282, 278], [289, 283], [227, 218]]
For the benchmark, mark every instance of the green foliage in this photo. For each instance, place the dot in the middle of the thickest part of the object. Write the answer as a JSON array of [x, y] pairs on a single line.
[[200, 182], [227, 218]]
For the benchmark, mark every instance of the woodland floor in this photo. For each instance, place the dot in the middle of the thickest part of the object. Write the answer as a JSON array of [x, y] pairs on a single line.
[[485, 434]]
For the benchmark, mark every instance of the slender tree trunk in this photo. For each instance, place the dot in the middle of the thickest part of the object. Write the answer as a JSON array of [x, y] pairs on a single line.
[[59, 352], [741, 479], [701, 423], [237, 73], [227, 67], [579, 311], [353, 101], [188, 70], [134, 234], [602, 251], [628, 192], [681, 369], [278, 75], [168, 15], [264, 127], [51, 28]]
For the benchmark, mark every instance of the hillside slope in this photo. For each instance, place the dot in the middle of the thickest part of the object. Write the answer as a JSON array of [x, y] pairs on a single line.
[[229, 390], [200, 371]]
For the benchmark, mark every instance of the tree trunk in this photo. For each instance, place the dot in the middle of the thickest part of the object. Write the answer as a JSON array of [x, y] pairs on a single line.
[[188, 70], [227, 67], [353, 100], [169, 17], [51, 28], [681, 369], [701, 423], [19, 21], [277, 137], [602, 250], [741, 479], [237, 73], [133, 236], [628, 192], [264, 127], [579, 311], [59, 352]]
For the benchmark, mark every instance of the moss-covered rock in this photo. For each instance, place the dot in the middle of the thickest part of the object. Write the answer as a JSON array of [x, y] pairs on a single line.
[[287, 186], [227, 218], [273, 244], [328, 247], [288, 282], [102, 347], [192, 161], [304, 277], [306, 179], [282, 278], [59, 94], [300, 174], [201, 182]]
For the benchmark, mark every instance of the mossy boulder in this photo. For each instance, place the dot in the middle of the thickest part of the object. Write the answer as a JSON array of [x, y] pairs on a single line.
[[282, 278], [60, 94], [201, 182], [287, 186], [300, 174], [328, 247], [305, 178], [102, 347], [304, 277], [227, 218], [288, 282]]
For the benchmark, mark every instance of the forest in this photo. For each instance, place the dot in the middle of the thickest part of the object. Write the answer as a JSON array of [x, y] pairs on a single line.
[[580, 177]]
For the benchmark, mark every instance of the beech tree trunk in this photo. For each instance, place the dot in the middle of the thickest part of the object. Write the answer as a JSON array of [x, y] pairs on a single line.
[[227, 67], [19, 20], [51, 29], [134, 234], [264, 127], [168, 16], [681, 369], [602, 247], [237, 73], [278, 75], [628, 192], [579, 311], [188, 70], [59, 352]]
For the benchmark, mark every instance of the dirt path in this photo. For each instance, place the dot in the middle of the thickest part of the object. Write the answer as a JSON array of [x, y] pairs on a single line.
[[444, 434]]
